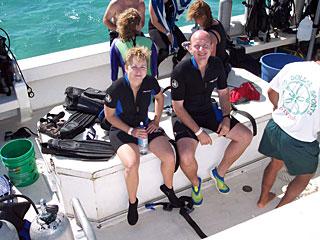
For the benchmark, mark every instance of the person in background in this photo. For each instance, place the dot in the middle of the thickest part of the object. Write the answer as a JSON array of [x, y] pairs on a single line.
[[115, 8], [192, 83], [126, 105], [128, 27], [290, 137], [200, 12], [163, 30]]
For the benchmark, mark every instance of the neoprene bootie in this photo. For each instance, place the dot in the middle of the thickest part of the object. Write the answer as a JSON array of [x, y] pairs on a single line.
[[133, 215], [173, 199]]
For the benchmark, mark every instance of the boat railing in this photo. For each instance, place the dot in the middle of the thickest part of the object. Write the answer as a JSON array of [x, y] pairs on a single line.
[[82, 220]]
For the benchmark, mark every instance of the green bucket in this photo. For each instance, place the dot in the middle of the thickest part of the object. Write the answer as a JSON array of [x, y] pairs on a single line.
[[19, 158]]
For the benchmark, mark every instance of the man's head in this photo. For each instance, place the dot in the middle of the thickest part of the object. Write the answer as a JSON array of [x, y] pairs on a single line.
[[127, 24], [200, 46]]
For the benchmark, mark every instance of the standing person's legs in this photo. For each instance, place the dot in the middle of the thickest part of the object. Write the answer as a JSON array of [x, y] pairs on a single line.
[[301, 159], [130, 157], [180, 39], [269, 177], [162, 43], [295, 187]]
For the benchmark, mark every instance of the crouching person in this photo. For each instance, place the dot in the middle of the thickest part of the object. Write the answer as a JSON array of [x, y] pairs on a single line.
[[126, 105], [290, 137]]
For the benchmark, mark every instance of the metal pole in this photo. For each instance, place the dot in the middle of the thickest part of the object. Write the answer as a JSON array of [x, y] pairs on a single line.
[[225, 12], [82, 219], [314, 32]]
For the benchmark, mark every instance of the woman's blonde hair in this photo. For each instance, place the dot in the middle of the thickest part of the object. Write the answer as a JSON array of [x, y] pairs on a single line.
[[198, 9], [141, 53], [127, 24]]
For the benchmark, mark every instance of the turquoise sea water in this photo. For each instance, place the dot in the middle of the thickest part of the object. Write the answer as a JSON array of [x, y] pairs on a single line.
[[43, 26]]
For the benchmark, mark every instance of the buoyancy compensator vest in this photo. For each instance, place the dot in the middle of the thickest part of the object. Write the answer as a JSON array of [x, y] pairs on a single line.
[[257, 19], [280, 13], [9, 68]]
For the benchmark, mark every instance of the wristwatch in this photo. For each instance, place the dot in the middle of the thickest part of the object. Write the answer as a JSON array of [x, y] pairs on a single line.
[[130, 131], [168, 33], [226, 116]]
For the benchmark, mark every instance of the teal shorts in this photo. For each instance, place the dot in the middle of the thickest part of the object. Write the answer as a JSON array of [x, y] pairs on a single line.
[[299, 157]]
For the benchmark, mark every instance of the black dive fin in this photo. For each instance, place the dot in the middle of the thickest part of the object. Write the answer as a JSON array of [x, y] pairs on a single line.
[[83, 149], [76, 124]]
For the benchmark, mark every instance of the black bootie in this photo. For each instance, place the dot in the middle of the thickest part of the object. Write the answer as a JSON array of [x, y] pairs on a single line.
[[173, 199], [133, 213]]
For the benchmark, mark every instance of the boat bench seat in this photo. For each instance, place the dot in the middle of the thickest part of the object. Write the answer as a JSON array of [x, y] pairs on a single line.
[[100, 185]]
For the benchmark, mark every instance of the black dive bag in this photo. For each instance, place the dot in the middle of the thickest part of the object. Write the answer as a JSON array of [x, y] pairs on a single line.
[[81, 149], [88, 100]]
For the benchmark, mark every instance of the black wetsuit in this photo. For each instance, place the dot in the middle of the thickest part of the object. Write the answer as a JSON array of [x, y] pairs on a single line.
[[188, 85], [161, 39], [112, 36], [222, 43], [120, 97]]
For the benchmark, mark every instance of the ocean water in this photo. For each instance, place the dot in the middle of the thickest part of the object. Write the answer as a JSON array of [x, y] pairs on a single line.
[[43, 26]]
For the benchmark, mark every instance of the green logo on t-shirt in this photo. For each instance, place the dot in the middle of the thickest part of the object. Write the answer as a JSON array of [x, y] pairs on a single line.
[[298, 96]]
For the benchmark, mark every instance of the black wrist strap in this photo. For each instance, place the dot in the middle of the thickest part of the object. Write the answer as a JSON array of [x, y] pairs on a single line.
[[227, 115]]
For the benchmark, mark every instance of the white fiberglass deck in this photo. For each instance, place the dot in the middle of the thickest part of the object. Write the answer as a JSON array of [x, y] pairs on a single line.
[[94, 178], [217, 214]]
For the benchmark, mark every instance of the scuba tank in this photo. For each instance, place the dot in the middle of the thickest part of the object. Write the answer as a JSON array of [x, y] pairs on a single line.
[[8, 230], [50, 224]]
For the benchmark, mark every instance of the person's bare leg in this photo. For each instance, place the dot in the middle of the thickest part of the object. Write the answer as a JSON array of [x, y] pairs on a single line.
[[187, 148], [240, 137], [162, 149], [130, 157], [269, 177], [295, 187]]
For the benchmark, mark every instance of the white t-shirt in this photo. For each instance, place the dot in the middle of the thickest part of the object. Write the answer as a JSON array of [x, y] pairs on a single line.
[[298, 112]]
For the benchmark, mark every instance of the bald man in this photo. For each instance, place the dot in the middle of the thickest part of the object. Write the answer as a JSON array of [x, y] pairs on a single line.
[[114, 9], [192, 82]]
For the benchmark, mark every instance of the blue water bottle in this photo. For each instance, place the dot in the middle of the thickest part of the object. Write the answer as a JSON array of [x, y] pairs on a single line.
[[143, 142]]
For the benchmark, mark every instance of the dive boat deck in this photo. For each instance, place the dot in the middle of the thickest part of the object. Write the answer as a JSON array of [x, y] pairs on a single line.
[[217, 213], [223, 216]]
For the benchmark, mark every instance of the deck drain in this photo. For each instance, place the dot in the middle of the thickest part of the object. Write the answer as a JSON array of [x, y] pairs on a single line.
[[247, 188]]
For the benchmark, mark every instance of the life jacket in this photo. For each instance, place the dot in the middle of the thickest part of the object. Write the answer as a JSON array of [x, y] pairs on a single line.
[[257, 19], [123, 48], [279, 13]]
